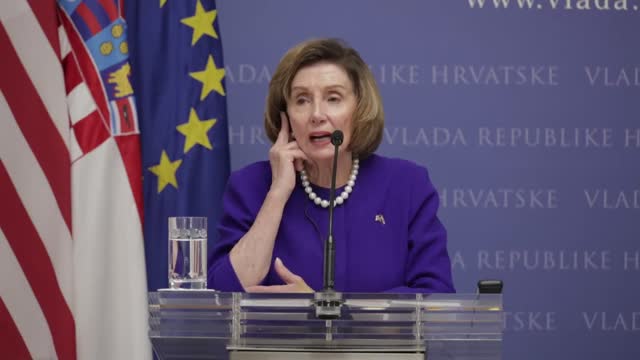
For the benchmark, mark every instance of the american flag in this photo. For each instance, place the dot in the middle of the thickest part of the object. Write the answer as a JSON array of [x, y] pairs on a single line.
[[73, 281]]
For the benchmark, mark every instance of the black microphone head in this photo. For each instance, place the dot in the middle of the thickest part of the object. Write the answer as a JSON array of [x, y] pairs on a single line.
[[337, 137]]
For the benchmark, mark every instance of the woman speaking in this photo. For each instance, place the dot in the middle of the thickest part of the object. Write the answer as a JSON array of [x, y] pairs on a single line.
[[275, 213]]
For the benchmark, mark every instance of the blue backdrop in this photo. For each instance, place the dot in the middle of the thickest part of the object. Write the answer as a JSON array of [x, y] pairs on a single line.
[[528, 118]]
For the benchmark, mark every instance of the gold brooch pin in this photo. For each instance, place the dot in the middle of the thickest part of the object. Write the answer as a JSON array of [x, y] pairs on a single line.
[[380, 219]]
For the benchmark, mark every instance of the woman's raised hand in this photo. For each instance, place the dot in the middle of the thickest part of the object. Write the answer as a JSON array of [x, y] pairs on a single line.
[[285, 157]]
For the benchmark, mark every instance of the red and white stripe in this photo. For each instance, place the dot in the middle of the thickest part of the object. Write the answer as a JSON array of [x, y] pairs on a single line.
[[72, 257], [35, 187], [89, 128]]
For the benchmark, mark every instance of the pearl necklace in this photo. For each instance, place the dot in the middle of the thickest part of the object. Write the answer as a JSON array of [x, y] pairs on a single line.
[[340, 198]]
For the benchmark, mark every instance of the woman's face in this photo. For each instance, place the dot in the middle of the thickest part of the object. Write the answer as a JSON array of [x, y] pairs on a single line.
[[322, 100]]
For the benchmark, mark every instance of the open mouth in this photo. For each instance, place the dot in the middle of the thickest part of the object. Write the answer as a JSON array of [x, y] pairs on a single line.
[[320, 137]]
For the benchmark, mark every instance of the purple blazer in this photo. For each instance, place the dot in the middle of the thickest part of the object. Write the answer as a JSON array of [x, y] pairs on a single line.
[[405, 252]]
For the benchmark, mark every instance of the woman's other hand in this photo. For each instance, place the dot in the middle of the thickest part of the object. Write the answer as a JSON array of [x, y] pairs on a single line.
[[294, 283]]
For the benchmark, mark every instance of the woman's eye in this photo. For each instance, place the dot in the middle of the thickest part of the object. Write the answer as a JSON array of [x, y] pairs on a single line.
[[301, 101], [334, 99]]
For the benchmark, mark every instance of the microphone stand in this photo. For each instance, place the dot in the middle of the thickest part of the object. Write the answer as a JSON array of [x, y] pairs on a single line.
[[328, 302]]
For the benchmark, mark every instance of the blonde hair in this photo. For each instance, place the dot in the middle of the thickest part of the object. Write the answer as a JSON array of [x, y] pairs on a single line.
[[368, 118]]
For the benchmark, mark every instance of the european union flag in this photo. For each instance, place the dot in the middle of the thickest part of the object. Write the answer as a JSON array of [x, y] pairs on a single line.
[[179, 79]]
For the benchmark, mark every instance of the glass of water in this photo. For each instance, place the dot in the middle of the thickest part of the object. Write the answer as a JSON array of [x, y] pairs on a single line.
[[188, 252]]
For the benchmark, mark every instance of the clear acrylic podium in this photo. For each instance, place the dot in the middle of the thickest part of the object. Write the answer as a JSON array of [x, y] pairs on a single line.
[[193, 324]]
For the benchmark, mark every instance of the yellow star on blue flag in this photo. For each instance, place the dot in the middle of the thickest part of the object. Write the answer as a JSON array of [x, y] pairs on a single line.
[[211, 78], [202, 23], [195, 131], [166, 171]]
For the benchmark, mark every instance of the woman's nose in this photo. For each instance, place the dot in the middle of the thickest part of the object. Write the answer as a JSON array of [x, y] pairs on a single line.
[[319, 114]]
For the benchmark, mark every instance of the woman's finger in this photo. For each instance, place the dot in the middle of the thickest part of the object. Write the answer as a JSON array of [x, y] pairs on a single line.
[[292, 145], [283, 135], [290, 152], [285, 274], [299, 154]]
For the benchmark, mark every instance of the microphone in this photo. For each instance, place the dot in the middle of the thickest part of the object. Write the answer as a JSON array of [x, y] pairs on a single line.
[[328, 302], [329, 247], [336, 139]]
